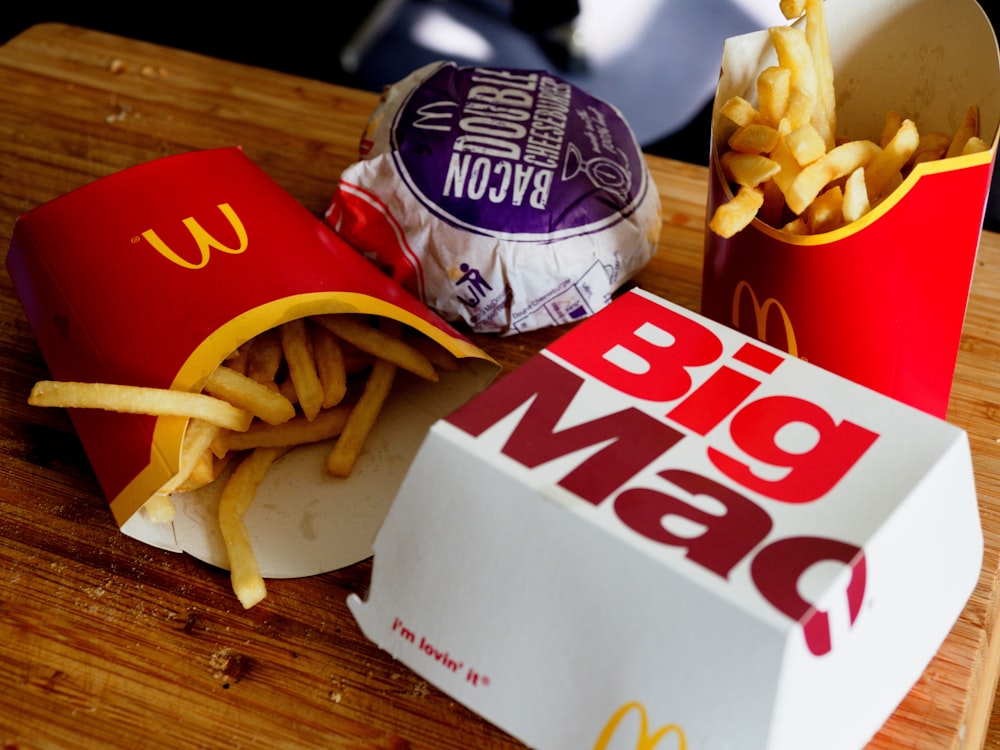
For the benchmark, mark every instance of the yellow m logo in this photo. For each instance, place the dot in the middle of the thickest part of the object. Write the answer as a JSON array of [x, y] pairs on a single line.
[[203, 240], [645, 740], [761, 312]]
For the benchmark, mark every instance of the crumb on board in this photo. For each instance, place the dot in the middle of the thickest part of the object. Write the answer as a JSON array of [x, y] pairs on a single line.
[[117, 66], [229, 666]]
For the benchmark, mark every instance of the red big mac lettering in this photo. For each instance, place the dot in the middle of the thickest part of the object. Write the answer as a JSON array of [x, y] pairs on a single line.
[[651, 352]]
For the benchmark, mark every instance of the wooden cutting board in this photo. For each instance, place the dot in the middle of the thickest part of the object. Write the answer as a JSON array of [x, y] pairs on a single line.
[[105, 642]]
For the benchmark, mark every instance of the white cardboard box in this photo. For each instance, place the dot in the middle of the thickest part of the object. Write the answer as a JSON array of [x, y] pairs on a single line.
[[661, 534]]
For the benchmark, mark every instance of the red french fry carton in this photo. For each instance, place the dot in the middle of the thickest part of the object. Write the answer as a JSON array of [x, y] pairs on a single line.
[[882, 300], [153, 276], [668, 534]]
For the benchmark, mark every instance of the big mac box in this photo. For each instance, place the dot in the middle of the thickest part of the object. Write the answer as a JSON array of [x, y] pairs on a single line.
[[666, 534], [882, 299], [153, 276]]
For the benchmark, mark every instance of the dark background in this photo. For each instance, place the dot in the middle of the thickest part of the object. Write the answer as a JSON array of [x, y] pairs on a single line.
[[303, 41], [290, 37]]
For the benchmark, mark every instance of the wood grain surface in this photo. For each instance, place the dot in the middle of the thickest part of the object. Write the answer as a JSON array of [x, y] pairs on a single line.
[[106, 642]]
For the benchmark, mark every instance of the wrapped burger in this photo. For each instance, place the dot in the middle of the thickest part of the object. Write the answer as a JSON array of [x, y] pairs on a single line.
[[508, 199]]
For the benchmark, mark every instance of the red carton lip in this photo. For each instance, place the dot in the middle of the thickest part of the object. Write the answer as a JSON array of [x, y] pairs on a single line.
[[153, 275]]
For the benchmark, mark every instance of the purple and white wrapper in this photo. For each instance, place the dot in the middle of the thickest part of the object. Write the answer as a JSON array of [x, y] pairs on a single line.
[[508, 199]]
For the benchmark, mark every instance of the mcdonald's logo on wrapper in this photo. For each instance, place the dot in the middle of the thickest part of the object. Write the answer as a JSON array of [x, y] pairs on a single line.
[[761, 312]]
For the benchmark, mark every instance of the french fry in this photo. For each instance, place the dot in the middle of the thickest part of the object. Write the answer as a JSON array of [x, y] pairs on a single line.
[[975, 145], [792, 47], [220, 442], [748, 170], [202, 473], [856, 203], [134, 399], [826, 213], [839, 162], [287, 389], [824, 117], [773, 207], [740, 111], [206, 470], [932, 146], [967, 128], [356, 361], [160, 508], [264, 357], [249, 394], [755, 138], [881, 172], [237, 360], [773, 90], [299, 355], [237, 495], [330, 365], [790, 167], [737, 213], [792, 9], [362, 418], [328, 424], [797, 226], [890, 125], [356, 330], [806, 144], [198, 438]]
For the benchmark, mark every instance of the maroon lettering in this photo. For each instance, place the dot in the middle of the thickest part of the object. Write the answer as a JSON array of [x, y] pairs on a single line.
[[630, 439], [723, 537], [776, 571], [809, 473], [782, 447]]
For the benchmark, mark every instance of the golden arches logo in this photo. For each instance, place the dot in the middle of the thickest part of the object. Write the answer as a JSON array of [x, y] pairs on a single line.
[[436, 116], [204, 241], [645, 740], [761, 310]]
